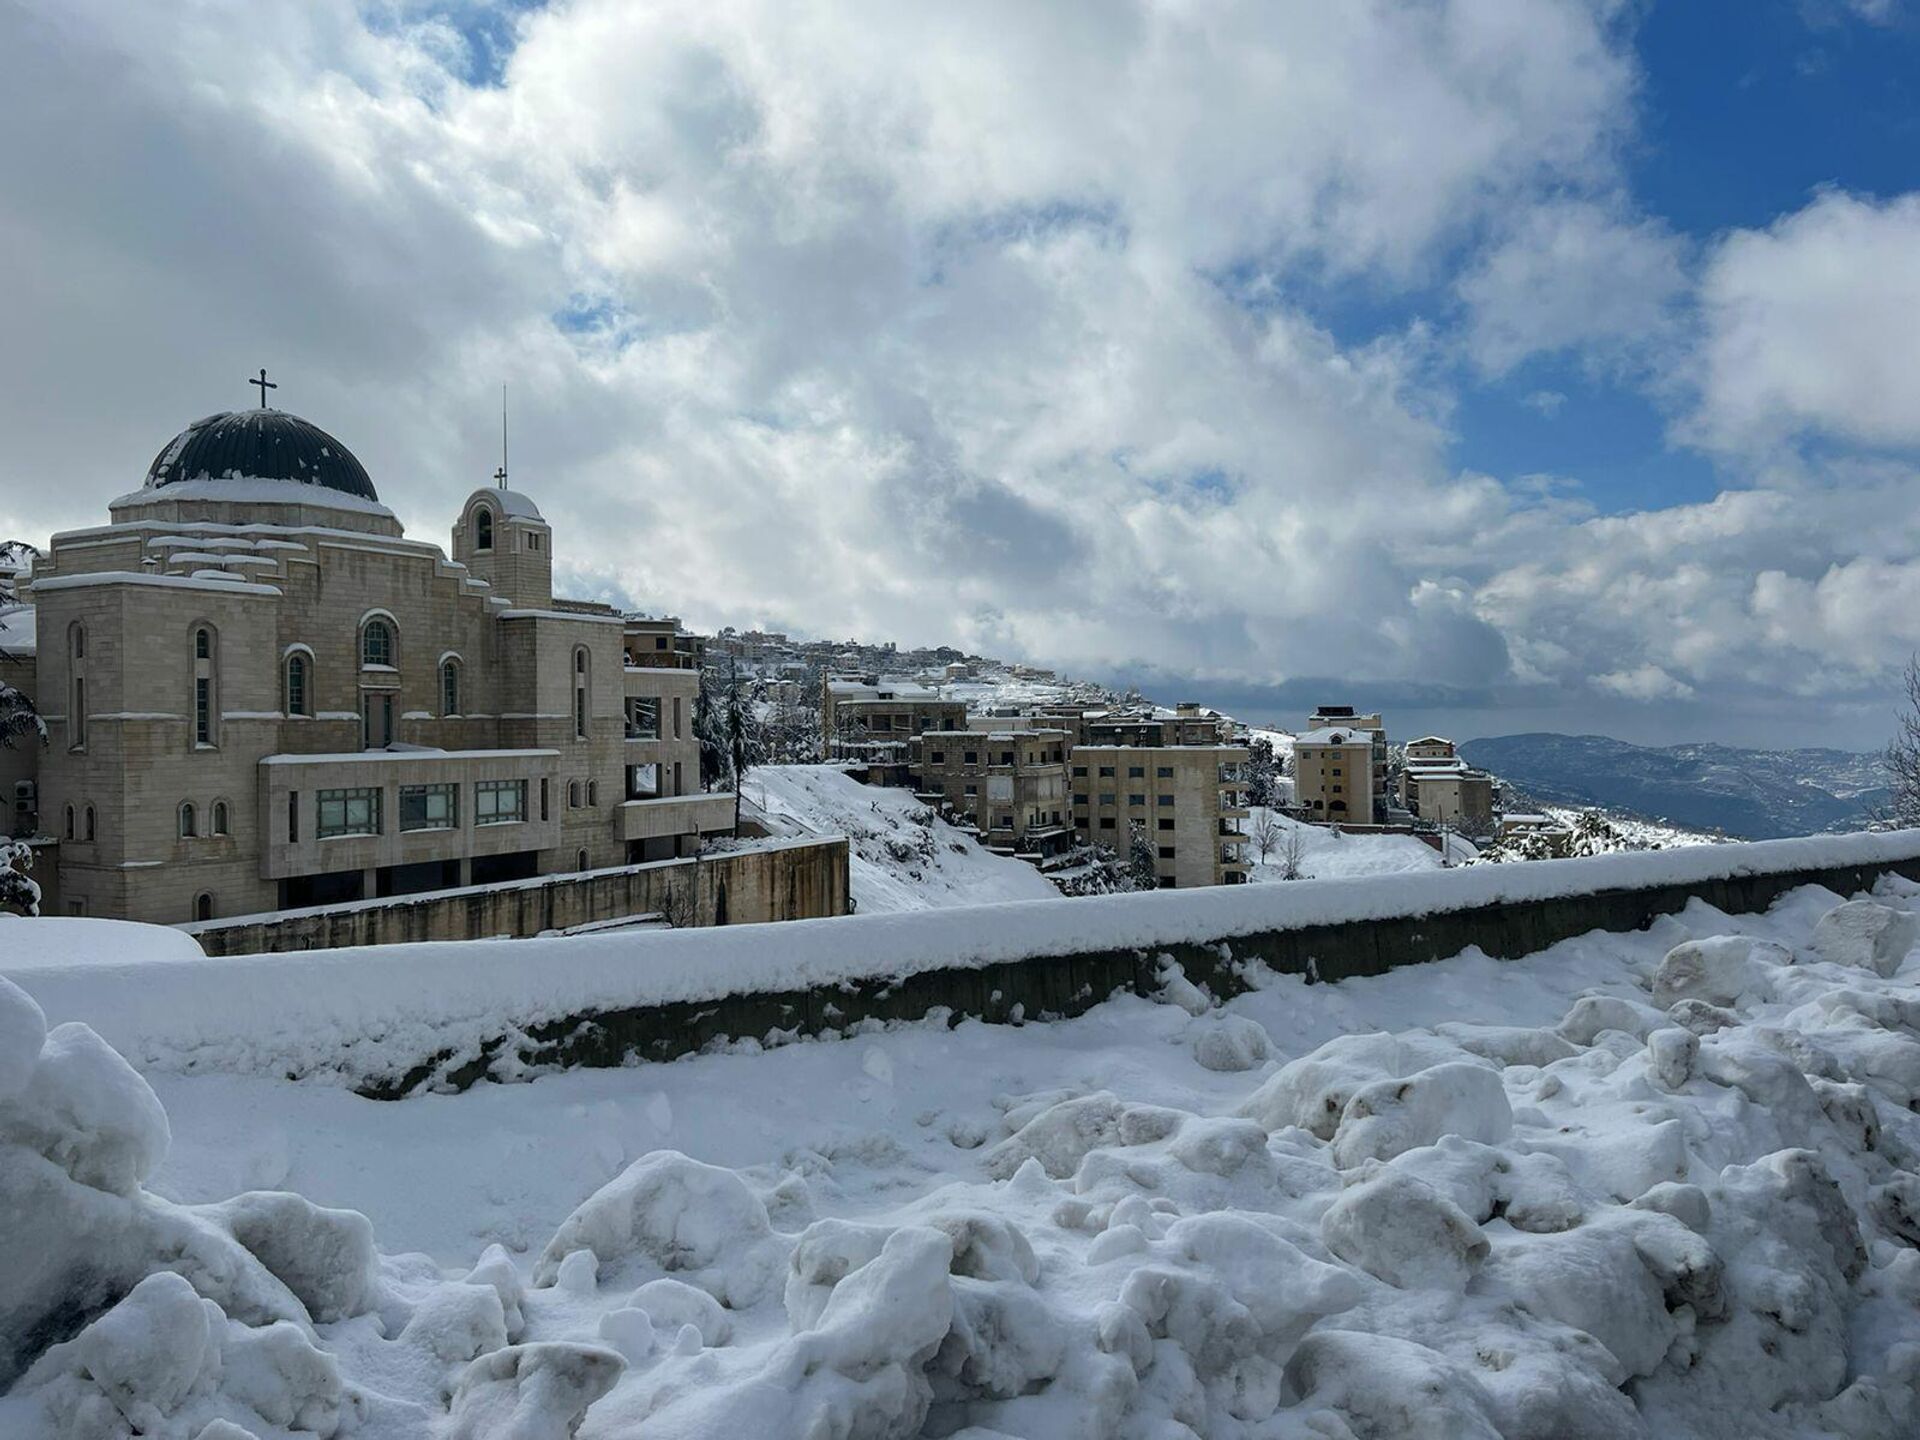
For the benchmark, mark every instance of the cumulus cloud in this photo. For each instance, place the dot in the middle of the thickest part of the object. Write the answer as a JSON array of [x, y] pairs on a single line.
[[932, 324], [1812, 326]]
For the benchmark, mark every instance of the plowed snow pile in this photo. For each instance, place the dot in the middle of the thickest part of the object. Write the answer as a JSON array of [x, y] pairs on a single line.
[[1685, 1202]]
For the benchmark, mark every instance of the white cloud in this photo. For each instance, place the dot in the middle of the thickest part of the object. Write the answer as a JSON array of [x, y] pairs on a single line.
[[1812, 326], [911, 322], [1574, 275]]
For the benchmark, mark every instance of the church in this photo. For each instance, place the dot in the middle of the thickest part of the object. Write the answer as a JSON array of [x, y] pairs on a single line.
[[261, 695]]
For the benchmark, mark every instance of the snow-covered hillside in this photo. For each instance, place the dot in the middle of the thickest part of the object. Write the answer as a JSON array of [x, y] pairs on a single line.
[[1317, 853], [904, 857], [1659, 1184]]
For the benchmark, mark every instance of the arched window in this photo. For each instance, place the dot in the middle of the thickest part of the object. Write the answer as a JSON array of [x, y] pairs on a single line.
[[89, 822], [206, 689], [203, 906], [219, 826], [77, 686], [189, 827], [483, 529], [573, 794], [376, 642], [69, 822], [450, 686], [593, 793], [582, 858], [299, 684], [580, 693]]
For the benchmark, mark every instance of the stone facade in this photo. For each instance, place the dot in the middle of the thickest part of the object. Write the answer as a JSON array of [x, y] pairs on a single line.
[[260, 694], [1333, 776], [1184, 798]]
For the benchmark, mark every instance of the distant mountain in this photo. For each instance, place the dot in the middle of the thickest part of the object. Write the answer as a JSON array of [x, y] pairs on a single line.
[[1751, 794]]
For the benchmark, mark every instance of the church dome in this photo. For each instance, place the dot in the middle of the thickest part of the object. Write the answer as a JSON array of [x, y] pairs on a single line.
[[259, 445]]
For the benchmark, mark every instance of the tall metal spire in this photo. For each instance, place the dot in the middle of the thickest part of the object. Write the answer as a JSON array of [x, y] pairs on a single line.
[[501, 474]]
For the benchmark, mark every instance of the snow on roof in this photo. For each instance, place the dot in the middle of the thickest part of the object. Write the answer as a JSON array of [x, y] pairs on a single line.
[[252, 490], [204, 580], [58, 942], [516, 505], [18, 634], [1345, 735], [412, 752]]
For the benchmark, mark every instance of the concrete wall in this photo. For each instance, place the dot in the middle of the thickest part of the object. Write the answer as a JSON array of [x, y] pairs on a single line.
[[1060, 984], [792, 880]]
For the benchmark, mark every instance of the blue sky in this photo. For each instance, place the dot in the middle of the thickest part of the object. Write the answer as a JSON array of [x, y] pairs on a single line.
[[1536, 364]]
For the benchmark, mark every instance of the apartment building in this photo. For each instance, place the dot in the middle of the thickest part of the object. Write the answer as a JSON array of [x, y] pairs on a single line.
[[1333, 775], [260, 694], [1438, 786], [1185, 800], [869, 721], [1346, 718], [1010, 784]]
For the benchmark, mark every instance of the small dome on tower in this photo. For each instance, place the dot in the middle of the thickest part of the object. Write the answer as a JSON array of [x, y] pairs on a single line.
[[260, 445]]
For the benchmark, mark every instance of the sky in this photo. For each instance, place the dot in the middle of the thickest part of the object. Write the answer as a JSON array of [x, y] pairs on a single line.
[[1511, 364]]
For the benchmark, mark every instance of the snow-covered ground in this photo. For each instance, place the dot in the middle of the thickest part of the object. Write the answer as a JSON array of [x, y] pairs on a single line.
[[903, 856], [1323, 854], [1648, 833], [1659, 1184]]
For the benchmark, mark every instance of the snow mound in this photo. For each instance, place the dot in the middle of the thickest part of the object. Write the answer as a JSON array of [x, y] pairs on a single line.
[[1867, 935]]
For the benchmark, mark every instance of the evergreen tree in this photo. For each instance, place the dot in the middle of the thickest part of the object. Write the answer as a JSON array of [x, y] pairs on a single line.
[[18, 717], [1260, 772], [1141, 858]]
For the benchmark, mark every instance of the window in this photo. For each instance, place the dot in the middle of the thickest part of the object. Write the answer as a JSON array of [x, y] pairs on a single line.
[[376, 643], [573, 794], [970, 757], [546, 812], [677, 734], [1166, 823], [593, 794], [77, 687], [1079, 799], [1136, 799], [348, 812], [1106, 772], [483, 529], [1334, 771], [970, 789], [643, 719], [499, 802], [450, 687], [219, 818], [1165, 772], [89, 823], [1163, 799], [1166, 882], [203, 906], [293, 817], [643, 782], [205, 693], [580, 860], [299, 690], [69, 834], [189, 826], [533, 543], [1166, 852], [429, 807], [1136, 772], [1106, 799], [1106, 822], [1079, 772], [580, 693]]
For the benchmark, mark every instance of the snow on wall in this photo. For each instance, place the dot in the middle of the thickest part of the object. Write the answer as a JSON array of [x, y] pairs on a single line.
[[351, 1013]]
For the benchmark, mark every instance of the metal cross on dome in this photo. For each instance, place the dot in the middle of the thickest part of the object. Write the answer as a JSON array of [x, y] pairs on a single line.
[[265, 385]]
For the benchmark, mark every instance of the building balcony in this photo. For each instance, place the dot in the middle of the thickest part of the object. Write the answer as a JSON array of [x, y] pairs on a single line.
[[665, 815]]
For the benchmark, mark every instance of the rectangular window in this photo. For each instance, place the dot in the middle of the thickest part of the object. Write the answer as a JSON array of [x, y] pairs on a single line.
[[1165, 772], [1079, 799], [1106, 822], [348, 812], [1079, 772], [202, 710], [939, 757], [1334, 771], [1106, 772], [643, 719], [1106, 799], [971, 789], [429, 807], [1165, 823], [1166, 852], [77, 721], [972, 757], [499, 802], [293, 817], [1136, 772], [643, 782], [1163, 800], [1136, 799], [676, 719], [546, 812]]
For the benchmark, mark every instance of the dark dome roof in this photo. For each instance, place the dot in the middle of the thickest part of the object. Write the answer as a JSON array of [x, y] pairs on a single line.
[[259, 445]]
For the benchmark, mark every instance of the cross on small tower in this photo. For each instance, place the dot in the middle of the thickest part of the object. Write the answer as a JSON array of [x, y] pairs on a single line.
[[265, 385], [500, 477]]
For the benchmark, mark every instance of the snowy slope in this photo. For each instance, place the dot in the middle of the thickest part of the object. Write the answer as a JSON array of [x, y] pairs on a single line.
[[903, 856], [1587, 1194], [1325, 854]]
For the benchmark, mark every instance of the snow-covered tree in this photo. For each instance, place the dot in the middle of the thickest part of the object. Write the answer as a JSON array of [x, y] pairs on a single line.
[[18, 890], [1261, 770], [1141, 858], [1293, 848], [18, 718], [1266, 830], [1903, 754]]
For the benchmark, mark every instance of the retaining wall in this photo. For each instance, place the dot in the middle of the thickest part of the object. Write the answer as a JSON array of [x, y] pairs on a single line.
[[780, 880], [400, 1019]]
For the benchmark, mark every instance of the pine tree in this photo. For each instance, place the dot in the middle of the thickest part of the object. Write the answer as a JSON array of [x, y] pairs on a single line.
[[1260, 771], [1141, 858]]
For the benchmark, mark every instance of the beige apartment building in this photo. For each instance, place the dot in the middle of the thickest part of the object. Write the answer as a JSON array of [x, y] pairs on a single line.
[[1185, 799], [1438, 786], [260, 694], [1010, 784], [1333, 775], [870, 721], [1345, 717]]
